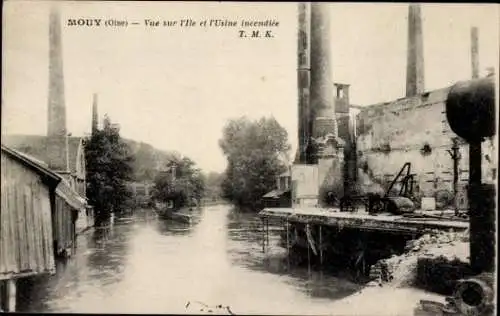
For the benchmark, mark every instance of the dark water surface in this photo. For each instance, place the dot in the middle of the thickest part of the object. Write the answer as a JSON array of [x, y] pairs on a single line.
[[142, 264]]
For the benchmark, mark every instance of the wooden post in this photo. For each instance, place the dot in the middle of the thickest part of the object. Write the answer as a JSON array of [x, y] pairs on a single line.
[[263, 236], [320, 247], [308, 256], [287, 239], [455, 156], [481, 215], [11, 295], [2, 295], [287, 244], [267, 232]]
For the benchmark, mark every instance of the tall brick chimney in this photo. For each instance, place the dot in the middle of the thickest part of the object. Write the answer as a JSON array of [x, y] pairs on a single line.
[[57, 134], [474, 51], [303, 82], [95, 116], [57, 107], [317, 171], [322, 105], [415, 54], [328, 149]]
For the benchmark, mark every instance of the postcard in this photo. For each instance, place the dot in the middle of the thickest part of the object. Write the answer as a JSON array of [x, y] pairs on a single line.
[[293, 158]]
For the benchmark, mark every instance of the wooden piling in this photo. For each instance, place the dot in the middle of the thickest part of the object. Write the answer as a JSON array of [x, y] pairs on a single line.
[[2, 298], [308, 256], [10, 297], [263, 235], [267, 232], [320, 247], [268, 242], [287, 239]]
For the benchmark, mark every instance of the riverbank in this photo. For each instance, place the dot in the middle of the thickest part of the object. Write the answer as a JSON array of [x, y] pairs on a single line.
[[435, 247], [402, 283], [383, 301]]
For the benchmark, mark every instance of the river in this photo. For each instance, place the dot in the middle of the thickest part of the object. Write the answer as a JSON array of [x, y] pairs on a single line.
[[142, 264]]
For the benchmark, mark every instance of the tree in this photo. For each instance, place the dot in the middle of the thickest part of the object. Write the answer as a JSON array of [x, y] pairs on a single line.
[[256, 153], [108, 165], [181, 183]]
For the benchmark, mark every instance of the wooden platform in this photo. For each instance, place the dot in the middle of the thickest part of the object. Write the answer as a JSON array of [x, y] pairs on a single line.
[[362, 220]]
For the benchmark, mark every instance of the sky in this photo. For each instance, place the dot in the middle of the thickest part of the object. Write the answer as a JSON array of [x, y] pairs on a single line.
[[176, 87]]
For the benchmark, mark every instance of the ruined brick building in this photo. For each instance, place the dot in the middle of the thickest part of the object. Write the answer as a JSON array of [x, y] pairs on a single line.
[[346, 149], [415, 129]]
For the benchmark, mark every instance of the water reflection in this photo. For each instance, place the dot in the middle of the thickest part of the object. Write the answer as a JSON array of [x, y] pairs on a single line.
[[110, 247], [142, 264], [246, 233], [174, 228]]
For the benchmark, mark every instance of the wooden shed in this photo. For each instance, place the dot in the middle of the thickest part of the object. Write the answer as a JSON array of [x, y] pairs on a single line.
[[278, 198], [67, 206], [66, 157], [52, 151], [281, 196], [26, 243]]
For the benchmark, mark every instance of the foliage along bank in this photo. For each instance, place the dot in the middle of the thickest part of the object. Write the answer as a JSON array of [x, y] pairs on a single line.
[[257, 152], [181, 184], [108, 164]]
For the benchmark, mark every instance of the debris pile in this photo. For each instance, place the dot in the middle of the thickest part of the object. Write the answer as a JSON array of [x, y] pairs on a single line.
[[400, 270], [472, 296]]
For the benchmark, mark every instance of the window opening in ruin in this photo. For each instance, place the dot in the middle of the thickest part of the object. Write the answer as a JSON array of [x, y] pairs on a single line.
[[340, 93], [365, 167]]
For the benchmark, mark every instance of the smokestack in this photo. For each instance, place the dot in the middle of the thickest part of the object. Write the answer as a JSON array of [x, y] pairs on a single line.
[[95, 116], [415, 61], [474, 51], [303, 81], [322, 105], [57, 134], [56, 107]]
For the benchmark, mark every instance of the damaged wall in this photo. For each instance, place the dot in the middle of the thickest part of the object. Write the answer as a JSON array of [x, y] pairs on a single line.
[[330, 175], [414, 130]]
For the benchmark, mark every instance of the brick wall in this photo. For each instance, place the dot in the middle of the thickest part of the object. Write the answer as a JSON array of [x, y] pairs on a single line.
[[415, 130]]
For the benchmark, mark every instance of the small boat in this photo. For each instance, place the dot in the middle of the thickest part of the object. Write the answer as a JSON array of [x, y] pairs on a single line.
[[176, 215]]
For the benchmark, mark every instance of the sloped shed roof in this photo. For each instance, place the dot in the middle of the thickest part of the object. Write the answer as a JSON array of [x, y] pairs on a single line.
[[71, 197], [275, 194], [49, 177]]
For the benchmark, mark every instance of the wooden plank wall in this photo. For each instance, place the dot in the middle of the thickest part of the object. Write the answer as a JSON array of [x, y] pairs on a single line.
[[26, 229], [64, 227], [80, 187]]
